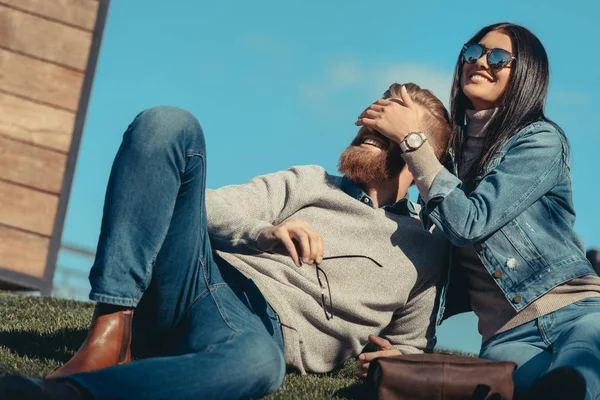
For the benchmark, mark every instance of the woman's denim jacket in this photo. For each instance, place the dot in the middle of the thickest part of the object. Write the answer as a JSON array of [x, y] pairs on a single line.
[[519, 217]]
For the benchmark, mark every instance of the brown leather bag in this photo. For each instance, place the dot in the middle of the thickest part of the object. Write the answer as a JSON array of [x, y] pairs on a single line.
[[440, 377]]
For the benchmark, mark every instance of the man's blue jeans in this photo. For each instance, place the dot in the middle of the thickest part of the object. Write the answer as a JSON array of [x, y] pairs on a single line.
[[567, 337], [201, 337]]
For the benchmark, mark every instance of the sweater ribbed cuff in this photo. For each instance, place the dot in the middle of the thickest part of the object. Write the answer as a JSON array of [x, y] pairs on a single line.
[[424, 166]]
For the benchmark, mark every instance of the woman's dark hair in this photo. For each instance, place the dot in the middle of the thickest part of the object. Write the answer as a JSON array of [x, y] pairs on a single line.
[[522, 102]]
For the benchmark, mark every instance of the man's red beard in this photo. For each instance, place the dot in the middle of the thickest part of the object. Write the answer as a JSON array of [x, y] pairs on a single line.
[[364, 166]]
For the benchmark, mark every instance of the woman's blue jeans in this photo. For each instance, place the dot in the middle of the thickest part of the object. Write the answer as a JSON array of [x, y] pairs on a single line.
[[567, 337], [201, 336]]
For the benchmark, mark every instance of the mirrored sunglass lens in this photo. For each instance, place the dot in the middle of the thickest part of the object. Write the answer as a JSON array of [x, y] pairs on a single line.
[[473, 53], [498, 58]]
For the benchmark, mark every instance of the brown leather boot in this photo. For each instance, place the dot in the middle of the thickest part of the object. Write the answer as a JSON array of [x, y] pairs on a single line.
[[107, 344]]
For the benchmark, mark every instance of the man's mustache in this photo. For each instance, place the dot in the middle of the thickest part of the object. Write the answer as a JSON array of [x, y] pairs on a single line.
[[361, 137]]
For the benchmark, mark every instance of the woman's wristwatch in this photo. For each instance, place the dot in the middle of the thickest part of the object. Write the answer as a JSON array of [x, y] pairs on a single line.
[[412, 142]]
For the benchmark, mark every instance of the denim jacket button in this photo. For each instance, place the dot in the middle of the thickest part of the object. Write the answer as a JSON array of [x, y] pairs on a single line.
[[498, 274], [517, 299], [512, 263]]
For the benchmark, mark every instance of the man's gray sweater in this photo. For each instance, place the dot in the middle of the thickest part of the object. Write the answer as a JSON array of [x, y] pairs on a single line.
[[389, 290]]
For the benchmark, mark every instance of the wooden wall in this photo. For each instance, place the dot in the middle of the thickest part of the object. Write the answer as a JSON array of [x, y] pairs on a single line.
[[48, 52]]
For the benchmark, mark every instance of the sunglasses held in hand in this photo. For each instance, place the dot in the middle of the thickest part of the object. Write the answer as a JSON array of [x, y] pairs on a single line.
[[496, 58], [326, 300], [327, 308]]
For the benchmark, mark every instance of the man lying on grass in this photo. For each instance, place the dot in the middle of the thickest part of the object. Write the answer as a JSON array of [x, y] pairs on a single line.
[[221, 290]]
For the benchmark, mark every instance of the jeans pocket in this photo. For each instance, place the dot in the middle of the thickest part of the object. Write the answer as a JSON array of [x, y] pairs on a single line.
[[589, 301]]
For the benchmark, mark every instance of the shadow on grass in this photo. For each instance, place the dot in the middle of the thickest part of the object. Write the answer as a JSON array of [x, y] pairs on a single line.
[[364, 391], [58, 346], [359, 390]]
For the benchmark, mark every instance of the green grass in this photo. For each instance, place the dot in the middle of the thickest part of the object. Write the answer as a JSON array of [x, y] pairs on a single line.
[[39, 334]]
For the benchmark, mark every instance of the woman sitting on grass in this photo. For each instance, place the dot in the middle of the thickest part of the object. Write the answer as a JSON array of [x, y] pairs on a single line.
[[517, 263]]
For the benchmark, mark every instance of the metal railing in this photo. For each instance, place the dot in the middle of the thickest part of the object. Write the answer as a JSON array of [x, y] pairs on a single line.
[[71, 276], [71, 281]]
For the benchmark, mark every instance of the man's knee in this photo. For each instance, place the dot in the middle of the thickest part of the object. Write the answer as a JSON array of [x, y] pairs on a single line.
[[158, 127], [264, 362]]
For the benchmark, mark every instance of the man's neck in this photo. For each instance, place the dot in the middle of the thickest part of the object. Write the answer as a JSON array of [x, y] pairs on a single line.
[[386, 193]]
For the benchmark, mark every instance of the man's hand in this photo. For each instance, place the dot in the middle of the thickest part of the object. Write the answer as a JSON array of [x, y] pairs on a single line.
[[392, 118], [295, 238], [385, 350]]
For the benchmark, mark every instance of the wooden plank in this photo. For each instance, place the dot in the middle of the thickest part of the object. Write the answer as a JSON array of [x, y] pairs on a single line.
[[23, 252], [81, 13], [27, 209], [43, 38], [36, 123], [40, 81], [31, 166]]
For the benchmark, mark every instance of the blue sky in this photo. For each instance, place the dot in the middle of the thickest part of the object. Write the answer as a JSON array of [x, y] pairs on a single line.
[[276, 84]]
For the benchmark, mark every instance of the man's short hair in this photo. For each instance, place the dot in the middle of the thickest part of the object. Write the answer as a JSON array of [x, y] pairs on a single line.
[[435, 121]]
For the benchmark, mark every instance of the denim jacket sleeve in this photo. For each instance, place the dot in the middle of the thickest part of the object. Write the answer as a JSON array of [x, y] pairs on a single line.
[[531, 164]]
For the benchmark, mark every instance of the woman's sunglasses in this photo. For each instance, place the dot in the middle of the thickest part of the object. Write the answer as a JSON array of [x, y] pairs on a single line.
[[496, 58]]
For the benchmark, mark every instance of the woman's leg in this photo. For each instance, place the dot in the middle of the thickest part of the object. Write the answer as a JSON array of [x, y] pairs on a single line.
[[562, 348], [575, 332], [524, 346]]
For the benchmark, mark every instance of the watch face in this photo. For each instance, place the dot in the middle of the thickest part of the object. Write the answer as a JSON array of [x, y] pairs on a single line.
[[414, 140]]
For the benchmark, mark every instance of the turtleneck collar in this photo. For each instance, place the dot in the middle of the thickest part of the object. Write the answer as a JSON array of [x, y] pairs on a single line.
[[477, 121]]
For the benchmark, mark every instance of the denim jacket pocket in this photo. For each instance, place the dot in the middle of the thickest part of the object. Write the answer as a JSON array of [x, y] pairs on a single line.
[[523, 245]]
